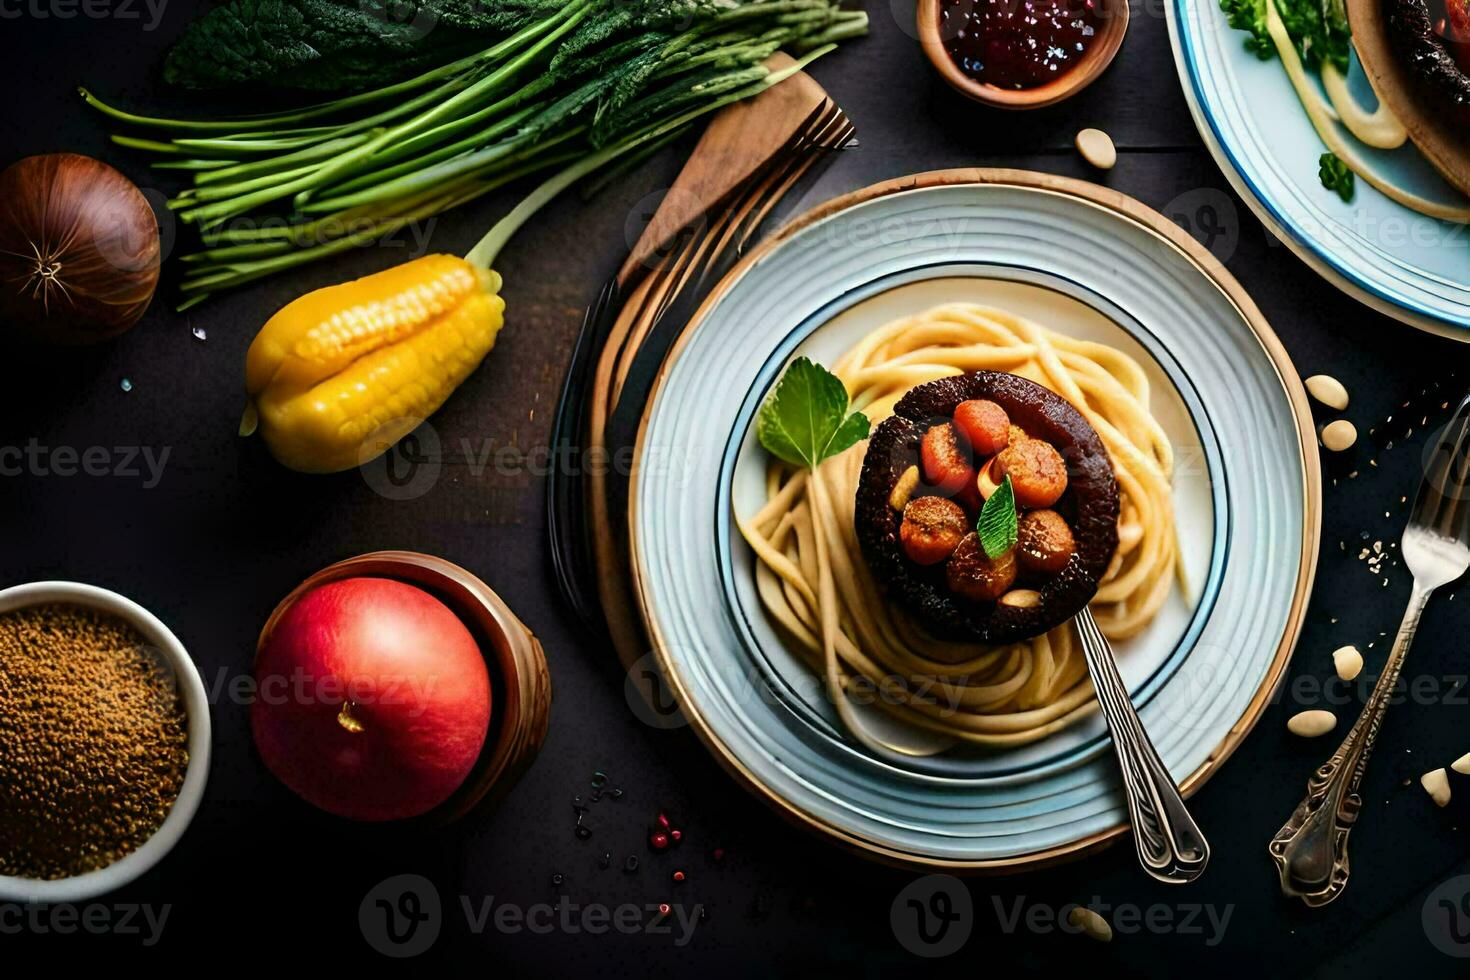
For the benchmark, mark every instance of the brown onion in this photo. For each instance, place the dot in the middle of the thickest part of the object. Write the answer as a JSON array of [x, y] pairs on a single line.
[[79, 251]]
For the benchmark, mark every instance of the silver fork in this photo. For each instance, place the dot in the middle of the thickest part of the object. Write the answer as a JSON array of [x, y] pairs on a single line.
[[1169, 843], [1310, 851]]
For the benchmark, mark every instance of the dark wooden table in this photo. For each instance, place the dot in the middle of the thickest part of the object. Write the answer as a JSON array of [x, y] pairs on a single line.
[[212, 545]]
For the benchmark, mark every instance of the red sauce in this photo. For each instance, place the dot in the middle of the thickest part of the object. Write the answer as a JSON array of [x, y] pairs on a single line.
[[1017, 44]]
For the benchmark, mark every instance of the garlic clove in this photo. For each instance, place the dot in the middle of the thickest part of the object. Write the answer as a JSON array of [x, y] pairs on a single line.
[[1462, 765], [1437, 785], [1339, 435], [1327, 390], [1311, 724], [1348, 661]]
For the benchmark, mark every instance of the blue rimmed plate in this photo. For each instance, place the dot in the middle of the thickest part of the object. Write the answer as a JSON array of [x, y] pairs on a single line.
[[1079, 259], [1393, 259]]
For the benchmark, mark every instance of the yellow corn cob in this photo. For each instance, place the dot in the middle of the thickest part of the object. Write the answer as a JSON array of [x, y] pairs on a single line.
[[339, 375]]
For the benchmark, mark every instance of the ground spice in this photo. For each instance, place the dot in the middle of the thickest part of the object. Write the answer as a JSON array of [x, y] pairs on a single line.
[[93, 741]]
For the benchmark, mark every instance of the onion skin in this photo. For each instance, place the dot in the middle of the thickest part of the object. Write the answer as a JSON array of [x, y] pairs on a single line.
[[79, 250]]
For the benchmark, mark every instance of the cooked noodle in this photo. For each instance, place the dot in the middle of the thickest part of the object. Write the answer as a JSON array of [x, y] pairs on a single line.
[[813, 580]]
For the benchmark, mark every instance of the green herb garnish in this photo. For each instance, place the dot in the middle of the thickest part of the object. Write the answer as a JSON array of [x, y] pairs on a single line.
[[1250, 16], [998, 525], [805, 419], [1336, 176]]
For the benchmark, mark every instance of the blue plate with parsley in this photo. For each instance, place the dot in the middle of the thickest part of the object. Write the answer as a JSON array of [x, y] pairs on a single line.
[[1250, 104]]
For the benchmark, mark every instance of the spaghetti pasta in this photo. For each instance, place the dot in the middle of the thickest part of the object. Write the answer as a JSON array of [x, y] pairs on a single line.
[[813, 581]]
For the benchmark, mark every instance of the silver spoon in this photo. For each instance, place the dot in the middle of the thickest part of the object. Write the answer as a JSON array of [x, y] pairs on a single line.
[[1169, 843], [1310, 851]]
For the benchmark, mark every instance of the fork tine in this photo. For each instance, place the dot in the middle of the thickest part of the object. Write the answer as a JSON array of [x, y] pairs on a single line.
[[1438, 505]]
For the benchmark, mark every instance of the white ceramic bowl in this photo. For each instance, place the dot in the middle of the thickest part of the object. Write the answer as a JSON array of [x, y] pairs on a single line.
[[196, 705]]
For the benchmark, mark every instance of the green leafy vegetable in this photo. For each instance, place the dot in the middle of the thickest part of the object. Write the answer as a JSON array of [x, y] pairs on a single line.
[[1336, 176], [805, 419], [998, 525], [499, 89], [331, 45], [1250, 16], [1319, 28], [1318, 37]]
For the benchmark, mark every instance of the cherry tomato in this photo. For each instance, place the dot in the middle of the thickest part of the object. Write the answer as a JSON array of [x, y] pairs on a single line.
[[946, 461], [974, 575], [932, 528], [1038, 474], [1457, 31], [1044, 542], [985, 424]]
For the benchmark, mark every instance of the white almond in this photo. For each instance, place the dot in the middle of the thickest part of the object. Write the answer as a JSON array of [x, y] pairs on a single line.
[[1328, 390], [1097, 148], [1090, 923], [1348, 661], [1310, 724], [1437, 785], [1462, 765], [1021, 599], [904, 489], [1339, 435]]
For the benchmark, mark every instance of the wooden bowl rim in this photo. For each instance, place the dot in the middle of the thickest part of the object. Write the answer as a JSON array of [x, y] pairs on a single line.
[[1094, 61]]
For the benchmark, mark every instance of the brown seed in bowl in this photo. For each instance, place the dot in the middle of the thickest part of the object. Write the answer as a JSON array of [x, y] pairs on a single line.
[[976, 576], [1044, 542]]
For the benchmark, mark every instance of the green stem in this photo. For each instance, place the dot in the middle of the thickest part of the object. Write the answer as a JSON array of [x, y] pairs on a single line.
[[488, 248], [349, 162]]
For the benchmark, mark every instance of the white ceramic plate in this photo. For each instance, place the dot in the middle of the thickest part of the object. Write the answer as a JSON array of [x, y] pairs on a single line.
[[1397, 261], [1078, 259]]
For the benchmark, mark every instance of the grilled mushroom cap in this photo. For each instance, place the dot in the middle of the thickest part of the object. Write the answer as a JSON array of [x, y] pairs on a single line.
[[1430, 63], [1090, 506]]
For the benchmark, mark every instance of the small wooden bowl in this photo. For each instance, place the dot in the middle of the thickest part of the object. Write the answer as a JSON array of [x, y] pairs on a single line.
[[1095, 61], [520, 684]]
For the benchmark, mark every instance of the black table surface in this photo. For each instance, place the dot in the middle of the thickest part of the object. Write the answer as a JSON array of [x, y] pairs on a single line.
[[211, 546]]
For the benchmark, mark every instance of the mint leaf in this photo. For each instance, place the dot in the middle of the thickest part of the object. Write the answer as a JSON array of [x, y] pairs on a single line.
[[805, 420], [998, 523]]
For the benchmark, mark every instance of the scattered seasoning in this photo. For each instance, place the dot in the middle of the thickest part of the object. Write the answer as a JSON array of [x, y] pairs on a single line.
[[199, 333], [631, 865], [605, 861], [678, 876], [558, 878], [126, 385], [93, 741]]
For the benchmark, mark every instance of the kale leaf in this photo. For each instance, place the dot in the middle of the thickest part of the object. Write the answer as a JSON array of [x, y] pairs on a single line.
[[332, 45]]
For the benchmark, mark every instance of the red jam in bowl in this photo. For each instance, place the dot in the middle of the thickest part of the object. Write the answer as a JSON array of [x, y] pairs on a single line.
[[1017, 44]]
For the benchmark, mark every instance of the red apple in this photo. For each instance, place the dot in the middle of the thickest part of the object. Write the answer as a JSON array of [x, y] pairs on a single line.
[[372, 699]]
